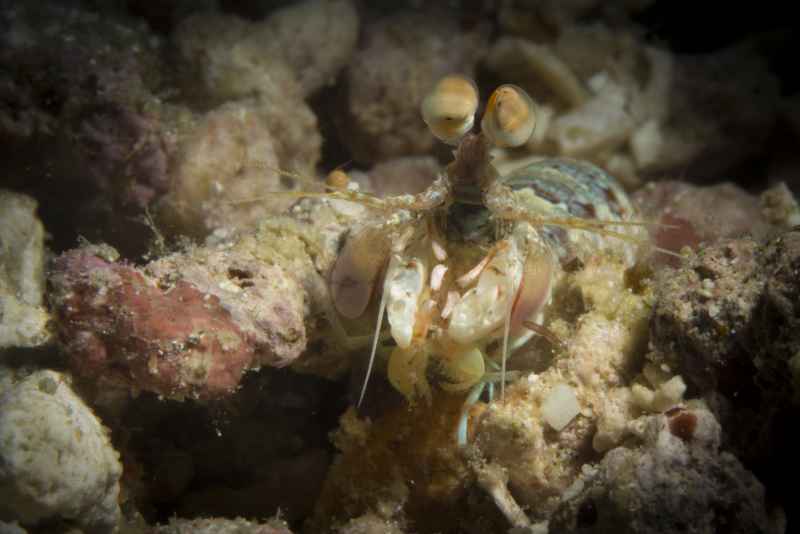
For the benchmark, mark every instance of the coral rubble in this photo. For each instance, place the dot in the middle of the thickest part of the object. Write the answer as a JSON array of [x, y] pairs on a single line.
[[726, 320], [222, 526], [172, 356], [57, 459], [181, 329], [23, 318], [676, 480]]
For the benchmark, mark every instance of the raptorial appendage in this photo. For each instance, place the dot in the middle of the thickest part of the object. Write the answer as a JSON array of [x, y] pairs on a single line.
[[443, 302]]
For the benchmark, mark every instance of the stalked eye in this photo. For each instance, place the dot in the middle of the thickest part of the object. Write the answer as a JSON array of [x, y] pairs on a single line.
[[510, 117], [449, 110]]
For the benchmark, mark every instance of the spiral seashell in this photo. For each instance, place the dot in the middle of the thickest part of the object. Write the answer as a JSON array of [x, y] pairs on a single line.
[[510, 117], [449, 109]]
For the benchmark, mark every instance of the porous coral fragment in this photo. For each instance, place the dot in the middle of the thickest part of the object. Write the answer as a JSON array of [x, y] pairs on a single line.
[[56, 462], [255, 82], [23, 319], [117, 325], [673, 479], [180, 334]]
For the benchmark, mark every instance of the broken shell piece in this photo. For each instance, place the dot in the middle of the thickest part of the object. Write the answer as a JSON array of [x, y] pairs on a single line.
[[560, 407], [449, 109], [510, 117]]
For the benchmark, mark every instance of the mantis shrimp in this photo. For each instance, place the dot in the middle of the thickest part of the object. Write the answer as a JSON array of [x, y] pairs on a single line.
[[463, 270]]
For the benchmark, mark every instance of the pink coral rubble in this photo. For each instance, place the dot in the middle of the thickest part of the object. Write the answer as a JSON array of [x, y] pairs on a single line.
[[118, 325]]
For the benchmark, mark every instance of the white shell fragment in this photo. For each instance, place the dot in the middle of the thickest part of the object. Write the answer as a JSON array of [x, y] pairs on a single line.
[[560, 407]]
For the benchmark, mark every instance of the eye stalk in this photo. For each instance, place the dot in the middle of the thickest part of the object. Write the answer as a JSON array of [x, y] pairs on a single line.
[[449, 109], [510, 117]]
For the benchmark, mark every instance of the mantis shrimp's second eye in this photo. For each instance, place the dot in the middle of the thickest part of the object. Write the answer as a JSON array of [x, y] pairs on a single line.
[[510, 117], [449, 109]]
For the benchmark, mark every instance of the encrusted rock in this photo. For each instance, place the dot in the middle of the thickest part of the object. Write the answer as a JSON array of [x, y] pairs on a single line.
[[777, 319], [220, 525], [676, 480], [302, 46], [23, 319], [272, 65], [56, 462], [370, 524], [727, 322], [729, 315], [264, 302], [192, 327], [683, 210], [780, 207], [314, 38], [703, 314], [225, 169], [95, 94]]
